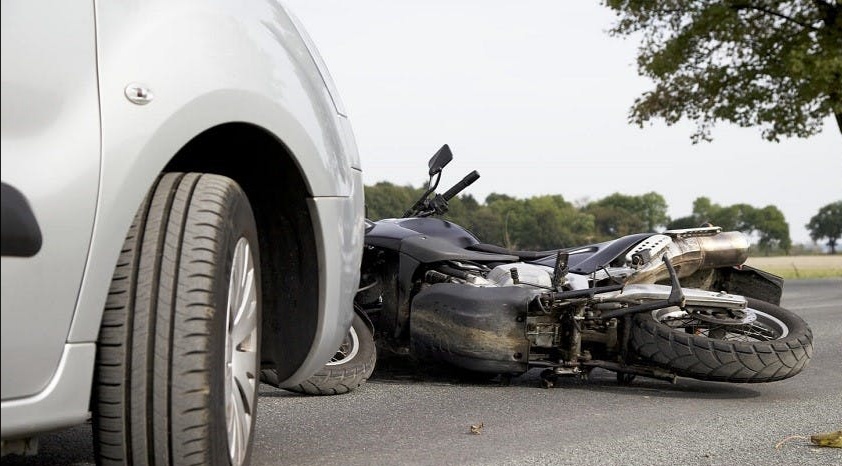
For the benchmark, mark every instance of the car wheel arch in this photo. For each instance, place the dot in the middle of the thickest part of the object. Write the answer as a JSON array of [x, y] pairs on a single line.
[[277, 189]]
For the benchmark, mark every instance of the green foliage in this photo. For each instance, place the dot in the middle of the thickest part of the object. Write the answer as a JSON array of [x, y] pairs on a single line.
[[386, 200], [550, 222], [771, 227], [734, 217], [772, 64], [827, 223], [537, 223], [768, 223], [542, 222], [620, 214]]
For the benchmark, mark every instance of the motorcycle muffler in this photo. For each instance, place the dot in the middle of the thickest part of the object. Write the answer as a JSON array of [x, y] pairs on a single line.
[[689, 251]]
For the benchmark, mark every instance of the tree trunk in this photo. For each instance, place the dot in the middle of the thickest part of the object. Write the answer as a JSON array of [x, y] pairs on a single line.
[[838, 116], [830, 12]]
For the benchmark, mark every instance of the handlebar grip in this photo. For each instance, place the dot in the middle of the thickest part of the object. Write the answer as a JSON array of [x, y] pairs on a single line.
[[458, 187]]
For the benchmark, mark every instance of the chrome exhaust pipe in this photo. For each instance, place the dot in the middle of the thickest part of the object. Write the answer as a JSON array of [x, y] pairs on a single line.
[[690, 251]]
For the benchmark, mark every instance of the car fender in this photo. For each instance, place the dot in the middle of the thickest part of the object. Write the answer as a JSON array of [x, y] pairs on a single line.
[[160, 47]]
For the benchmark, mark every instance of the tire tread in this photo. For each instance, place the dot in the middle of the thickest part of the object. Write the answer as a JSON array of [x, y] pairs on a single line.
[[341, 378], [151, 398], [725, 361]]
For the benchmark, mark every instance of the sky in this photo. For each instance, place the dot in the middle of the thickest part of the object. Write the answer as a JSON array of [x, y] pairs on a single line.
[[535, 95]]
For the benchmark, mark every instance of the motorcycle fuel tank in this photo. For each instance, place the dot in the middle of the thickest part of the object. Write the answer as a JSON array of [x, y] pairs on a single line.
[[388, 233]]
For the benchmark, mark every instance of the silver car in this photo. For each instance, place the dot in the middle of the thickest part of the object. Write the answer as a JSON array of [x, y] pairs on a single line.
[[182, 208]]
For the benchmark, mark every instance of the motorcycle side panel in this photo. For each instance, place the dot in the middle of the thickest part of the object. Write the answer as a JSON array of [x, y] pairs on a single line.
[[441, 229], [478, 329], [389, 233], [428, 249]]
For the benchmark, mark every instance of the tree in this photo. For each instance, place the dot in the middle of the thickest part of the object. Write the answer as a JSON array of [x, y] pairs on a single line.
[[507, 211], [621, 214], [550, 222], [386, 200], [773, 64], [733, 217], [540, 222], [768, 222], [827, 224], [771, 227]]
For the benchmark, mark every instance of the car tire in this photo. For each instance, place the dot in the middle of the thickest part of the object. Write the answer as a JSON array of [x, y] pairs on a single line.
[[178, 360]]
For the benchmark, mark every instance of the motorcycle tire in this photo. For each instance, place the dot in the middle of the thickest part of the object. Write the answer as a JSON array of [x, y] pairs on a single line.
[[775, 346], [352, 364]]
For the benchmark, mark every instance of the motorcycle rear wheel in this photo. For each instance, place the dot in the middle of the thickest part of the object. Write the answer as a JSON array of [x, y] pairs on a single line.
[[765, 344]]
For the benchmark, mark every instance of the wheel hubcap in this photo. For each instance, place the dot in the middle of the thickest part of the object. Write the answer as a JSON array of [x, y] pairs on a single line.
[[240, 352]]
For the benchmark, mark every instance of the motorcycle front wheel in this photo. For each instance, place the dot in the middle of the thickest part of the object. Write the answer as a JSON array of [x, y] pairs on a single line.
[[352, 364], [763, 343]]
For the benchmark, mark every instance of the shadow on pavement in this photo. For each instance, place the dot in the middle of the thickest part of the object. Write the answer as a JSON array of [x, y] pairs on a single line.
[[398, 371]]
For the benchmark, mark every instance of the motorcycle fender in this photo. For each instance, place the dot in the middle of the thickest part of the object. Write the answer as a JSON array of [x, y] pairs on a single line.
[[751, 282], [478, 329]]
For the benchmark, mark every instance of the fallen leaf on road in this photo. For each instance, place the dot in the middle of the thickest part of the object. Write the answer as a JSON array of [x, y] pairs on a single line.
[[829, 439], [476, 429]]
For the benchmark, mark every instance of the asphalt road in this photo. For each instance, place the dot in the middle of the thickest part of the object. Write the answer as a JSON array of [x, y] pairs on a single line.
[[398, 418]]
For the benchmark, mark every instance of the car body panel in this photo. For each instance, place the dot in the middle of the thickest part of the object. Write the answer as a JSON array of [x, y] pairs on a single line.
[[205, 63], [51, 154], [194, 95], [62, 403]]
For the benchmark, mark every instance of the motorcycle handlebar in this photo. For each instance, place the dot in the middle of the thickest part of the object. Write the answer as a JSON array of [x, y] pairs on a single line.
[[458, 187]]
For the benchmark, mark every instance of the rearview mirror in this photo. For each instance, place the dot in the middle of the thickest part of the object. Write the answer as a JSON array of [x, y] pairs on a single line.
[[440, 160]]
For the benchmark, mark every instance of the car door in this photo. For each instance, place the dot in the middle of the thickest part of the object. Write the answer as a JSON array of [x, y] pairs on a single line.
[[51, 157]]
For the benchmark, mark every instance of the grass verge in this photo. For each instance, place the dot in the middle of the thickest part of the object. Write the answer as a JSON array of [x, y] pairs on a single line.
[[796, 267]]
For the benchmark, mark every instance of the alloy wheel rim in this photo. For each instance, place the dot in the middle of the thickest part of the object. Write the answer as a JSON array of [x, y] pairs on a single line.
[[240, 352]]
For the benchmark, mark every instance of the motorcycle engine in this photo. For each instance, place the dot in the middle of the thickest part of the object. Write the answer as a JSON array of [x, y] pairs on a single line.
[[527, 274]]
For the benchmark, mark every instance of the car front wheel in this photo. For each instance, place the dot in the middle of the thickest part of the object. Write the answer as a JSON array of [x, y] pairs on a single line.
[[178, 352]]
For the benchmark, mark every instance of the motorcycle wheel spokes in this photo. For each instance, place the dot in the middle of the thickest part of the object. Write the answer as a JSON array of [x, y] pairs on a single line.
[[747, 325]]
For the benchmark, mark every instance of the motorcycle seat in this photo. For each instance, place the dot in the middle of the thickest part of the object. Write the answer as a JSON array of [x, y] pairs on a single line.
[[583, 259], [590, 258]]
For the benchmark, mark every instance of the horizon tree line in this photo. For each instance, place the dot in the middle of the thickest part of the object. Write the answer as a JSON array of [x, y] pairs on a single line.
[[550, 221]]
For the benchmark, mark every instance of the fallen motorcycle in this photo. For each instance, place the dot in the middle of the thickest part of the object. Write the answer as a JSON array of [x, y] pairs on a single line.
[[661, 305]]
